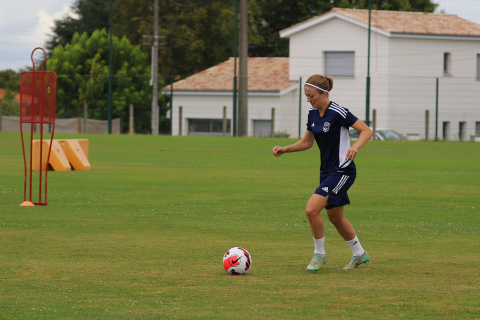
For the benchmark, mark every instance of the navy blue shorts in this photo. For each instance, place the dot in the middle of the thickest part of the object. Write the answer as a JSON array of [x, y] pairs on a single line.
[[335, 185]]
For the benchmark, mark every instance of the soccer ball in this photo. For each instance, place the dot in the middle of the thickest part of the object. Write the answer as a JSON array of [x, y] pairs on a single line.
[[237, 260]]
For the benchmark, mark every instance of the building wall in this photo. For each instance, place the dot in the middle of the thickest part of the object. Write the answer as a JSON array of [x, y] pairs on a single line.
[[308, 46], [403, 75], [415, 66], [287, 117], [416, 57], [307, 57], [198, 106], [210, 106], [260, 108]]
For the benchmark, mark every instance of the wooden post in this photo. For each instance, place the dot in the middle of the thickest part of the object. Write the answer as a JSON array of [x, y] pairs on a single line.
[[374, 111], [436, 112], [180, 129], [1, 113], [85, 116], [131, 128], [243, 72], [272, 132], [224, 123], [300, 108], [427, 114]]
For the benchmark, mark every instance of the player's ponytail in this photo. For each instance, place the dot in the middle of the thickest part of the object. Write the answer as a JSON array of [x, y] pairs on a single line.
[[330, 83]]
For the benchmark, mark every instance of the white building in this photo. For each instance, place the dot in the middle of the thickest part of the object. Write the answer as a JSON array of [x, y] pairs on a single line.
[[409, 51], [203, 96]]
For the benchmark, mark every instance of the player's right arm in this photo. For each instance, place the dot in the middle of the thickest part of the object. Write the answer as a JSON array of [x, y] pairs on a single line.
[[304, 144]]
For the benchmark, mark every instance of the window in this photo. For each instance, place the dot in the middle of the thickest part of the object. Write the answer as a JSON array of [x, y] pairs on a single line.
[[446, 130], [207, 126], [340, 63], [478, 66], [477, 129], [262, 128], [446, 62], [462, 130]]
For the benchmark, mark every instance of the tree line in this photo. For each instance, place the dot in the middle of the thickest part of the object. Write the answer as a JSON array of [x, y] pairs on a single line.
[[198, 35]]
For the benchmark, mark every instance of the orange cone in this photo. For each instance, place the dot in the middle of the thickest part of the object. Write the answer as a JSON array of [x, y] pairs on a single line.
[[27, 204]]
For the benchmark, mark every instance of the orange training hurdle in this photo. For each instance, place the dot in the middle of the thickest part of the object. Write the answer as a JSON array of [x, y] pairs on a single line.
[[65, 154]]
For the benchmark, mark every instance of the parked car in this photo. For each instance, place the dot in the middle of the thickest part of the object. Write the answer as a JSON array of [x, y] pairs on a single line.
[[380, 134]]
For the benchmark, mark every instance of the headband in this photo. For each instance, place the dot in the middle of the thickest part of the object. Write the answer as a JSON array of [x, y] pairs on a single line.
[[316, 86]]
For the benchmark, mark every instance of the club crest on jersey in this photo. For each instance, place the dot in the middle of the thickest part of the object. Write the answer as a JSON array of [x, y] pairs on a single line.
[[326, 126]]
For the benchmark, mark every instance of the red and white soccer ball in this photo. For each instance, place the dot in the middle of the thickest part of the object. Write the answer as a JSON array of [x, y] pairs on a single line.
[[237, 260]]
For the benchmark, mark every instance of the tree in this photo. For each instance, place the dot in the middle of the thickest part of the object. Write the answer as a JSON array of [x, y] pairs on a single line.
[[199, 34], [10, 81], [82, 77], [93, 15], [277, 15], [9, 106]]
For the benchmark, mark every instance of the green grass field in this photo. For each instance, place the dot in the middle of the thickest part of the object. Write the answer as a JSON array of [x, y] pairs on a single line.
[[142, 235]]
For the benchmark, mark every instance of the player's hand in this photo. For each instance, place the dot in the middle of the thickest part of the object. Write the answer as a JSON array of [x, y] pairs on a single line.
[[278, 151], [351, 154]]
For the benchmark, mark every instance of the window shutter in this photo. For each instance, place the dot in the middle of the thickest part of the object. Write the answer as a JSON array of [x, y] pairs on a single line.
[[340, 63], [478, 66]]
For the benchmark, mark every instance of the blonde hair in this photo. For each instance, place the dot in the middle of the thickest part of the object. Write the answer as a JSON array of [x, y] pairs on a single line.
[[326, 83]]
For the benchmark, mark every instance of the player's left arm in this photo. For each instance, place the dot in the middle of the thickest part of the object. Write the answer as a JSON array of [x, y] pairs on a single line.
[[365, 134]]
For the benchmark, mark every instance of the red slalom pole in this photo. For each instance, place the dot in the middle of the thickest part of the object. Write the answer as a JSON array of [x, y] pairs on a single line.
[[38, 91]]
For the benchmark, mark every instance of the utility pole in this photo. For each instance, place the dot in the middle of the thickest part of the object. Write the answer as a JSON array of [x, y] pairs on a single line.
[[155, 71], [235, 45], [110, 72], [243, 72], [154, 76], [367, 102]]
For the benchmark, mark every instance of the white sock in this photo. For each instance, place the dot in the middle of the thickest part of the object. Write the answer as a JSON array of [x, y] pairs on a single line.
[[356, 247], [319, 245]]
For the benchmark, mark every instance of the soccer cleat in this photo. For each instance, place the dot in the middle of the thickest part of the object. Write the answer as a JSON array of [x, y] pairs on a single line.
[[358, 260], [317, 262]]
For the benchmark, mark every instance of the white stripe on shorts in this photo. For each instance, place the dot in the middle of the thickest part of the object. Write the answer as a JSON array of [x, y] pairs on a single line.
[[340, 184]]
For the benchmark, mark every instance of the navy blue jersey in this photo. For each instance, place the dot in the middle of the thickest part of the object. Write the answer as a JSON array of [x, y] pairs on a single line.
[[332, 137]]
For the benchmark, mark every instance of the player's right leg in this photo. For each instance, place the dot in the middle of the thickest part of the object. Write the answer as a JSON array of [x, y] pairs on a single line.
[[314, 206], [317, 262]]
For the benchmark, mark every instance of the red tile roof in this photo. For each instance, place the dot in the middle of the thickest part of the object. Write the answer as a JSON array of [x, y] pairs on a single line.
[[2, 94], [410, 22], [264, 74]]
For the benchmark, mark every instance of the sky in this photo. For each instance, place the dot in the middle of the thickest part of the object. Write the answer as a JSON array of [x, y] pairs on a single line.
[[25, 25]]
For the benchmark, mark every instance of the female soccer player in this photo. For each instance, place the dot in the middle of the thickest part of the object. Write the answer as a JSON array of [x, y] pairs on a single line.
[[328, 125]]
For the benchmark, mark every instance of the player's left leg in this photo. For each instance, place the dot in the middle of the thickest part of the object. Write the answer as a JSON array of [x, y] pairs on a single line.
[[343, 226], [345, 229]]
